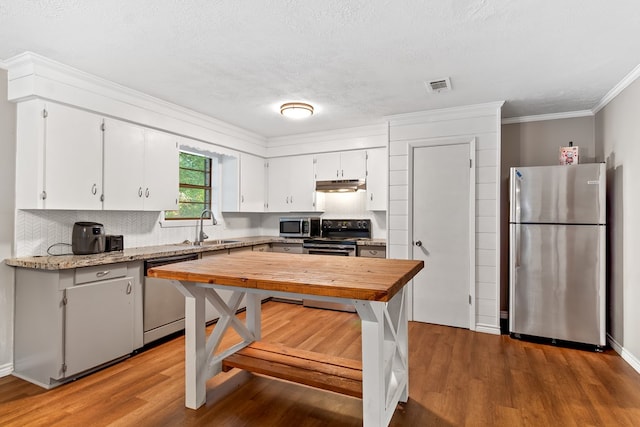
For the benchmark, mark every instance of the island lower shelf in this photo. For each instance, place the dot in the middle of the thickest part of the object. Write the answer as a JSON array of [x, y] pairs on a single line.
[[318, 370]]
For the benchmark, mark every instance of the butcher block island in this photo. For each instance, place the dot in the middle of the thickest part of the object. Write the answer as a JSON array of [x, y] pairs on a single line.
[[376, 287]]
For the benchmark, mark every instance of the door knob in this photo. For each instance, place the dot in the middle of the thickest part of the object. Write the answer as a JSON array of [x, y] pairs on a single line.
[[418, 243]]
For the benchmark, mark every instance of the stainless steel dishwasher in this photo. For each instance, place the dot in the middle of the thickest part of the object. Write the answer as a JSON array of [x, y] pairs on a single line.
[[163, 304]]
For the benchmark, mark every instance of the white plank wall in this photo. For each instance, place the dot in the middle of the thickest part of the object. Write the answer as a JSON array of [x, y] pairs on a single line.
[[483, 123]]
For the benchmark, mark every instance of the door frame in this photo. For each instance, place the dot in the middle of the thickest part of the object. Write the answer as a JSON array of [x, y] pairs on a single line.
[[434, 142]]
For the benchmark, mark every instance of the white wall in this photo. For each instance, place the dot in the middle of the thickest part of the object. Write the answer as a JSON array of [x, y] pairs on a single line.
[[483, 123], [618, 143], [7, 184]]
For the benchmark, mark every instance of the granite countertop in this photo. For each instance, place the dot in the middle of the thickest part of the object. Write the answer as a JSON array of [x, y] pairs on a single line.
[[63, 262]]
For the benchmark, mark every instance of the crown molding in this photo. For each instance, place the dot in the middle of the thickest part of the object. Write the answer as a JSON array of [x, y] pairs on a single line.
[[544, 117], [355, 138], [31, 75], [615, 91], [3, 65], [474, 110]]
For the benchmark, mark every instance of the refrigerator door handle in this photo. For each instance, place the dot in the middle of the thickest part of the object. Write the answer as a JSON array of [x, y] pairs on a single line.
[[518, 228], [514, 196]]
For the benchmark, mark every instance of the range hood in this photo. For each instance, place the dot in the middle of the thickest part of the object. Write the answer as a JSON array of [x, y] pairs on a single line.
[[341, 185]]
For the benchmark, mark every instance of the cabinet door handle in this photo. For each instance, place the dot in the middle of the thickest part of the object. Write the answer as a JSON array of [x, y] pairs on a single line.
[[287, 200], [103, 273], [373, 252], [291, 199], [371, 197], [342, 172], [129, 288], [242, 199], [337, 173], [94, 189], [43, 195], [286, 249], [146, 192], [140, 192]]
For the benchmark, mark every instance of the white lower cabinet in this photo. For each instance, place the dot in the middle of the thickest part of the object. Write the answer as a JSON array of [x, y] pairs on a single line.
[[287, 248], [67, 323], [372, 251], [98, 324]]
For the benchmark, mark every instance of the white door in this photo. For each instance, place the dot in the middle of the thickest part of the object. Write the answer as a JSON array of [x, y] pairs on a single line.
[[442, 233]]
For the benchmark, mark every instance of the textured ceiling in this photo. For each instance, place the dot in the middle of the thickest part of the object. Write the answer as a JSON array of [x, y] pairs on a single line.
[[356, 61]]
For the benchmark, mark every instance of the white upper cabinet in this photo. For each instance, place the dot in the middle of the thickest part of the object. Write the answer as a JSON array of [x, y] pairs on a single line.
[[342, 165], [243, 184], [124, 166], [377, 172], [161, 171], [59, 157], [291, 184], [141, 168]]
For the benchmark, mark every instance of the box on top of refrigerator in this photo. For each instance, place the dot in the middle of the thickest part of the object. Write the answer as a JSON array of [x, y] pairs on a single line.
[[569, 155]]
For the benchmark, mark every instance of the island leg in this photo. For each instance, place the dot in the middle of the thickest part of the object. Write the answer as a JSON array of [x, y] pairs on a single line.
[[195, 346], [254, 314], [384, 358]]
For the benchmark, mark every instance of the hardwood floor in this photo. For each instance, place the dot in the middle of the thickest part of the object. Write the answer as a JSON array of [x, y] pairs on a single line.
[[457, 377]]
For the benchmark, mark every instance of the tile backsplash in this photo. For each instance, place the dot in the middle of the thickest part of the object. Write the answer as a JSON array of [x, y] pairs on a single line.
[[37, 230]]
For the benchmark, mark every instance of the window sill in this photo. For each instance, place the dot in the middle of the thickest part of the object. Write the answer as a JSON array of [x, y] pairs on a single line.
[[165, 223]]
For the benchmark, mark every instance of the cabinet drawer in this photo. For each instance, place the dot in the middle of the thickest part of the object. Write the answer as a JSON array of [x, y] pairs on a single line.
[[372, 251], [290, 248], [261, 248], [100, 272]]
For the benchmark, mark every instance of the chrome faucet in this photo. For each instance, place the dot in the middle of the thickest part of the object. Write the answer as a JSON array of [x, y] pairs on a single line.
[[202, 235]]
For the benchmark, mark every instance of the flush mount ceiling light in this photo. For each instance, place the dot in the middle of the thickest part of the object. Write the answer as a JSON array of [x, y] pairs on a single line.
[[296, 110]]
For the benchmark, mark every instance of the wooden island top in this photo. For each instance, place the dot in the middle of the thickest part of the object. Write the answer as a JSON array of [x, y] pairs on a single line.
[[371, 279]]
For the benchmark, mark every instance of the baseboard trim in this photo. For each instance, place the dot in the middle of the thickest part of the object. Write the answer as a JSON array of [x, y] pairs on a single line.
[[6, 369], [627, 356], [614, 344], [488, 329]]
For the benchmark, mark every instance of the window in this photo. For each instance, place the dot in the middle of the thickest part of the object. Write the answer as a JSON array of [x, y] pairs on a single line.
[[195, 187]]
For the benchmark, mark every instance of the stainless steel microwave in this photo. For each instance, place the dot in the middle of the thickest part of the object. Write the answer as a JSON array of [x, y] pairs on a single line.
[[300, 227]]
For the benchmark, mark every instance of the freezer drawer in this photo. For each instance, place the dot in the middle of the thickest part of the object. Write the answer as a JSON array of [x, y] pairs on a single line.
[[557, 285]]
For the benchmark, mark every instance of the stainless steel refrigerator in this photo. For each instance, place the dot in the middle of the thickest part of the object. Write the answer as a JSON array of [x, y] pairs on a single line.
[[557, 252]]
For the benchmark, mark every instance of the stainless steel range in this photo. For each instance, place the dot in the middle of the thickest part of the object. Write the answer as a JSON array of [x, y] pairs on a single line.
[[338, 238]]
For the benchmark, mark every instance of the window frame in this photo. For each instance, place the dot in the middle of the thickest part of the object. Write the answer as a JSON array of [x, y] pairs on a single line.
[[208, 187]]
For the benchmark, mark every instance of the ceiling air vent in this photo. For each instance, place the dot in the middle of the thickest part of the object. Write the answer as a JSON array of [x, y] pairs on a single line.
[[439, 85]]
